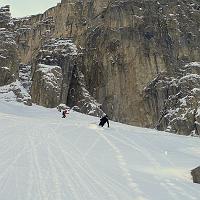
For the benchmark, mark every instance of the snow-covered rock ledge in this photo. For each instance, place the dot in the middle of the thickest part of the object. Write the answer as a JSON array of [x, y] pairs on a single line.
[[176, 100], [15, 92], [46, 86]]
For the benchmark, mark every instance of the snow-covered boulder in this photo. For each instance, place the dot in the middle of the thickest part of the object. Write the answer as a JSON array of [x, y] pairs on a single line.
[[62, 106], [46, 86], [52, 74], [15, 92]]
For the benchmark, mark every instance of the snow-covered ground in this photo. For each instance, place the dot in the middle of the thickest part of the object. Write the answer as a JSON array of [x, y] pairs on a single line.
[[45, 157]]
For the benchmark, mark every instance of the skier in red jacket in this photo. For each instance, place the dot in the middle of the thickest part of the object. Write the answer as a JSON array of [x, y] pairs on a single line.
[[65, 112]]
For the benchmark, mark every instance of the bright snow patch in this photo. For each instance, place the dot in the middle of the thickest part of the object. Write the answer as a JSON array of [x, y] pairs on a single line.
[[47, 68], [190, 77], [198, 112], [45, 157], [193, 64], [7, 92]]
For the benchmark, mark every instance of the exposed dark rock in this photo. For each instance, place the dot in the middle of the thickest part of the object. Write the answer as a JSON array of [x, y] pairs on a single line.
[[175, 101], [5, 16], [196, 175], [25, 76], [79, 97]]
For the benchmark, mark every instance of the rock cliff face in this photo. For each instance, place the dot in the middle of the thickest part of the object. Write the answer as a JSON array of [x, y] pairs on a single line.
[[8, 49], [137, 58], [175, 100], [136, 41], [11, 88], [53, 71]]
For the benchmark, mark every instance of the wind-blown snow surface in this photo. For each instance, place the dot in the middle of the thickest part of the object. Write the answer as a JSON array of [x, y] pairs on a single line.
[[45, 157]]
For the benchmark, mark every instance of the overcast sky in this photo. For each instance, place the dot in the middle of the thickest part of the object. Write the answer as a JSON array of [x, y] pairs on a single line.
[[21, 8]]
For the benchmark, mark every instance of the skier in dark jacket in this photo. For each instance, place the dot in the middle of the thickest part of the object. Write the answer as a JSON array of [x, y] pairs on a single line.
[[103, 120], [64, 114]]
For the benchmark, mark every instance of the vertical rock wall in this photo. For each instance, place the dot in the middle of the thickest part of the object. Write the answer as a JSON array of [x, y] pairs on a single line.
[[132, 43], [9, 61], [52, 73]]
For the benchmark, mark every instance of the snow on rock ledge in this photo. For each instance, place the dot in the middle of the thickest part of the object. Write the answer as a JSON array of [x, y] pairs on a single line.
[[53, 72], [15, 92], [177, 99], [9, 60], [46, 85]]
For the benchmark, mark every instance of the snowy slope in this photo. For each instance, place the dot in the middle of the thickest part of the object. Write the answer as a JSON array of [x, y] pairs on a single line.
[[45, 157]]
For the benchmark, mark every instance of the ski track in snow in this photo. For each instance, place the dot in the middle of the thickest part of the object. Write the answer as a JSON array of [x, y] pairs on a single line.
[[170, 187], [149, 157], [85, 170], [48, 158], [125, 171]]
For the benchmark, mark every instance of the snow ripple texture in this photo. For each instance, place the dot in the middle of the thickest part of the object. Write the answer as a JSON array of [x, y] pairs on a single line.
[[45, 157]]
